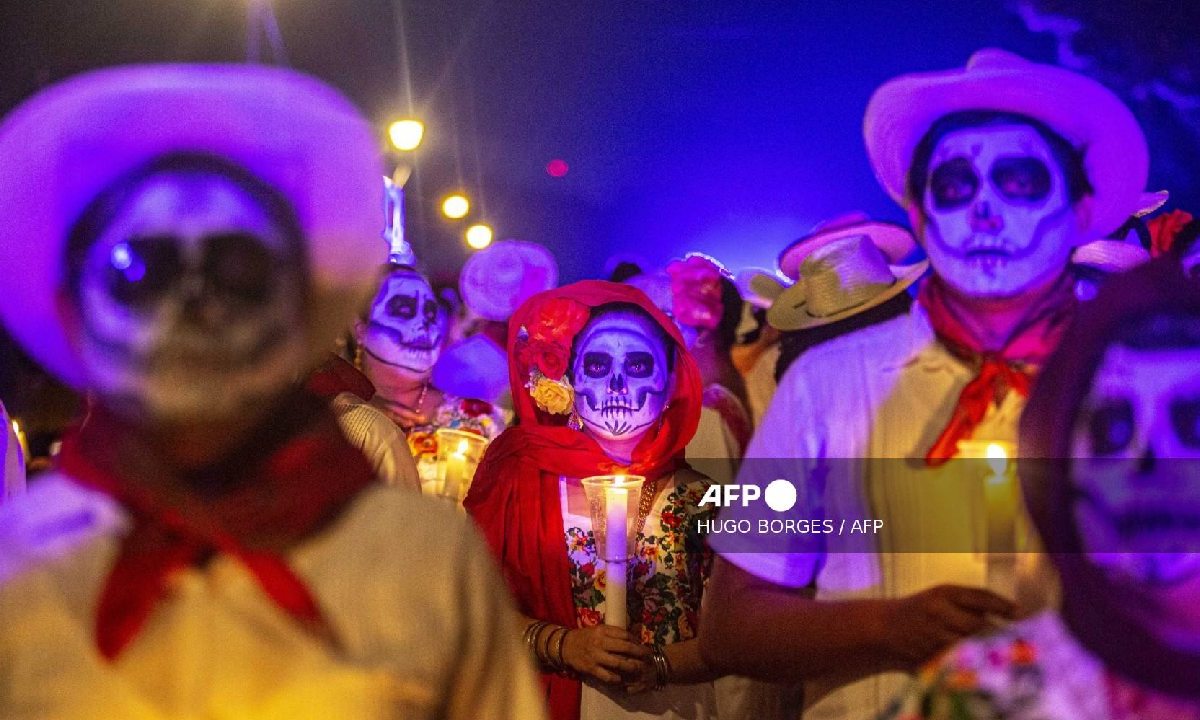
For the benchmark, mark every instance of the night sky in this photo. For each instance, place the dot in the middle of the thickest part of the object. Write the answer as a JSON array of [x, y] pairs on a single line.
[[726, 126]]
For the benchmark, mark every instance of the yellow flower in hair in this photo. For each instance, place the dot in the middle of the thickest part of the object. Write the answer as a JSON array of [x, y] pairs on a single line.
[[553, 396]]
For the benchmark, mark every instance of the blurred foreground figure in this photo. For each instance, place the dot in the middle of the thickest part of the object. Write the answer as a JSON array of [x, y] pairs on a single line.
[[1110, 446], [193, 239], [1004, 167]]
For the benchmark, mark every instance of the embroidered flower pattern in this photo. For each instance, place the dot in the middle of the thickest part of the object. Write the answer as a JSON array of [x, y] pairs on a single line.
[[666, 577]]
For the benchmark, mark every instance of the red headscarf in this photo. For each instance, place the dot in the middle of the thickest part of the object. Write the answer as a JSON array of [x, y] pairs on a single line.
[[515, 496]]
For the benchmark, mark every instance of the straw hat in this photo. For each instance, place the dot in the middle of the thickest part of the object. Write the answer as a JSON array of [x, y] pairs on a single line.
[[1110, 256], [496, 280], [895, 241], [1087, 114], [69, 142], [839, 280]]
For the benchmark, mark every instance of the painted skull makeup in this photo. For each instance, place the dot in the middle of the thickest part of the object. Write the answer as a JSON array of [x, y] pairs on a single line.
[[407, 325], [998, 211], [620, 375], [191, 300], [1136, 449]]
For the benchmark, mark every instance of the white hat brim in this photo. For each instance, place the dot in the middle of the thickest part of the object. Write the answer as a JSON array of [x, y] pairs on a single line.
[[496, 280], [1084, 112], [65, 145]]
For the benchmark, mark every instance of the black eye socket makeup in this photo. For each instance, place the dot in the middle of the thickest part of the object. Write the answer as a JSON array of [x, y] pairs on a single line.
[[639, 365], [1185, 419], [402, 306], [954, 183], [235, 267], [1110, 427], [597, 364]]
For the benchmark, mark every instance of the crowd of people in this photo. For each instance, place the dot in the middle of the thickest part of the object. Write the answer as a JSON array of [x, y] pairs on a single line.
[[306, 483]]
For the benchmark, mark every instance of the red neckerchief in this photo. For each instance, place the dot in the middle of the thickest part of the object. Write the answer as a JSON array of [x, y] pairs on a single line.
[[1008, 369], [302, 478], [514, 497]]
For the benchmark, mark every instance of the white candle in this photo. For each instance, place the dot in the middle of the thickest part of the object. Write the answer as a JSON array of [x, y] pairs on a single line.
[[617, 518], [1001, 498], [456, 470]]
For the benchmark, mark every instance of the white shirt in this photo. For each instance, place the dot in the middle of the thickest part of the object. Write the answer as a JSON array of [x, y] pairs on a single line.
[[425, 623], [850, 425], [378, 439]]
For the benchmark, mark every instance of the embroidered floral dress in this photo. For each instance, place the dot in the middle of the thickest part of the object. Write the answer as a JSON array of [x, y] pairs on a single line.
[[1033, 670], [476, 416], [667, 575]]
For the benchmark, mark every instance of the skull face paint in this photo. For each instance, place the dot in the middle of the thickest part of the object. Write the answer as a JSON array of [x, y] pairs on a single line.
[[620, 375], [999, 220], [406, 326], [192, 302], [1136, 450]]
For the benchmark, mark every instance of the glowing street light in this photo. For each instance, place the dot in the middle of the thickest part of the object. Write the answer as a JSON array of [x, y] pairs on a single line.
[[406, 134], [479, 236], [456, 206]]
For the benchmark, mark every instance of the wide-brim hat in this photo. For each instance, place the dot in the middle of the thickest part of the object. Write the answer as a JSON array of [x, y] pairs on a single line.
[[758, 286], [496, 280], [896, 242], [1084, 112], [474, 367], [1110, 256], [846, 278], [68, 143]]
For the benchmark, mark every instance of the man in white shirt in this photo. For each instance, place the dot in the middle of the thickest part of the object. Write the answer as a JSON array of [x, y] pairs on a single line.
[[193, 239], [1004, 168]]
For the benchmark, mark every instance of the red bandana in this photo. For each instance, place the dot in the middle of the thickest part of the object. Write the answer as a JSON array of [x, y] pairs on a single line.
[[515, 496], [304, 476], [1009, 368]]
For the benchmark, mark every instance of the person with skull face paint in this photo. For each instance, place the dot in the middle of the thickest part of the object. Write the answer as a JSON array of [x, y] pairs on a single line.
[[209, 545], [602, 384], [1004, 167], [399, 342], [1110, 464]]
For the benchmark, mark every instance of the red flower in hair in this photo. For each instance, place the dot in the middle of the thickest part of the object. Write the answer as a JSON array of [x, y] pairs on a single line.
[[696, 291], [557, 321], [547, 358], [1163, 230]]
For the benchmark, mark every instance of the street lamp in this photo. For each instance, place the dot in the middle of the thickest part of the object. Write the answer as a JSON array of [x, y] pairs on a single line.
[[406, 134], [456, 206], [479, 236]]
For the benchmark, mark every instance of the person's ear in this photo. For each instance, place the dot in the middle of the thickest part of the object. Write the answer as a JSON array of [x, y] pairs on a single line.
[[1083, 210]]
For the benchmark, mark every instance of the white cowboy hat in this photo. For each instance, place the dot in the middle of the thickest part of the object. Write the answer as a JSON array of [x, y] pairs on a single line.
[[1110, 256], [65, 145], [895, 241], [1081, 110], [496, 280], [839, 280], [759, 287]]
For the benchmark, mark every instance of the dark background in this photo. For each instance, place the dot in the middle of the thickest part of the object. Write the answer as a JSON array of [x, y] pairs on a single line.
[[726, 126]]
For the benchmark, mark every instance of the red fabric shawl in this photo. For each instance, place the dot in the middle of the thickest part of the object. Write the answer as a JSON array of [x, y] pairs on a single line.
[[287, 484], [514, 497]]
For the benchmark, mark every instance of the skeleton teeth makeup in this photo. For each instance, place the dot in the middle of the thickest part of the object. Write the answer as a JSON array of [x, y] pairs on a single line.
[[407, 325], [620, 375], [999, 217], [191, 300]]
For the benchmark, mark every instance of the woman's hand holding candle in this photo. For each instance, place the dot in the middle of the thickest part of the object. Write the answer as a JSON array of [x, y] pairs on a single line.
[[606, 653]]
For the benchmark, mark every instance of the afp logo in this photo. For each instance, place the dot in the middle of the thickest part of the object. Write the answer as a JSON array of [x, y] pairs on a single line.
[[780, 495]]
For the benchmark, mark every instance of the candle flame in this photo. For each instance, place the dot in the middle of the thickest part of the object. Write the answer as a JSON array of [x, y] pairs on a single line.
[[619, 480], [462, 448], [997, 458]]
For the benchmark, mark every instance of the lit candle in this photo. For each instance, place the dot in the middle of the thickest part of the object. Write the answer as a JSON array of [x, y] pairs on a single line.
[[21, 440], [1000, 493], [456, 470], [616, 532]]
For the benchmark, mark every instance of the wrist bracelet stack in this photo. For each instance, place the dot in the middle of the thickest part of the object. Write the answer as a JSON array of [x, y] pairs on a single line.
[[662, 669], [545, 643]]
